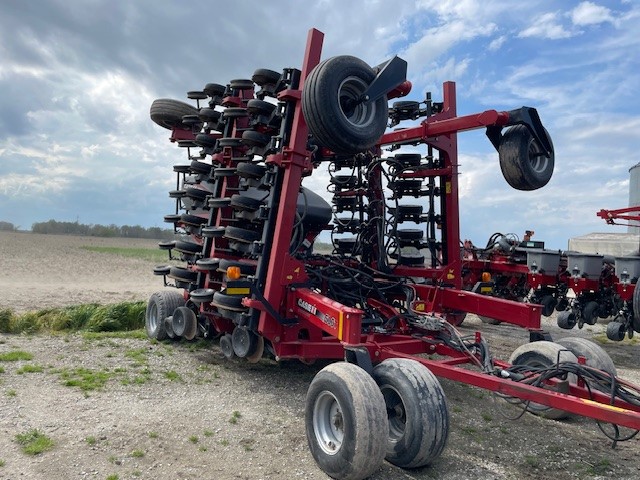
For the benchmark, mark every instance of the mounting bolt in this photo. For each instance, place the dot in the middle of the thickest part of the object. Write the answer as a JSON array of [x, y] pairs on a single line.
[[276, 339]]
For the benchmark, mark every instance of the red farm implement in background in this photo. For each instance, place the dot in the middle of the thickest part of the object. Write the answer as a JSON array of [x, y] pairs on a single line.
[[387, 298]]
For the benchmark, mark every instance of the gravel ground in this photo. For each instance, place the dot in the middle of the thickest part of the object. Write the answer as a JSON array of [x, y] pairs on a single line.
[[182, 411]]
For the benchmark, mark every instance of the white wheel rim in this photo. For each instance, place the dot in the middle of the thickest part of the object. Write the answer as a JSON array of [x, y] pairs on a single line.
[[153, 317], [328, 423]]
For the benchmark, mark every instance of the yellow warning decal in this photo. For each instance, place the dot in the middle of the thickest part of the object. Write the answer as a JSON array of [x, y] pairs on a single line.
[[237, 291], [340, 315], [447, 187]]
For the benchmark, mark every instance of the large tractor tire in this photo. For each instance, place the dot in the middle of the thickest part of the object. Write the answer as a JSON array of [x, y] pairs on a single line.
[[332, 109], [168, 113], [522, 161]]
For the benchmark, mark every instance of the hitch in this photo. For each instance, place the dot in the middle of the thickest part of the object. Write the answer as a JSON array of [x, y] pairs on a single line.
[[528, 117]]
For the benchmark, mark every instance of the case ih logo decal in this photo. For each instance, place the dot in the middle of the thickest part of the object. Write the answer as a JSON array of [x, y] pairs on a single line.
[[313, 310]]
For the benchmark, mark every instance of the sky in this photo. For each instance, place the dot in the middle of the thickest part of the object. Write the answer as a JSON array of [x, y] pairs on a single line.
[[77, 79]]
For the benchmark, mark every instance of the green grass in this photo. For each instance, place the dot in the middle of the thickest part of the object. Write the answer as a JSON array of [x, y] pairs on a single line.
[[11, 393], [138, 355], [193, 439], [173, 375], [30, 368], [2, 463], [234, 417], [150, 254], [15, 355], [91, 441], [1, 369], [34, 442], [119, 317], [153, 435], [137, 453], [208, 433], [85, 379], [113, 477]]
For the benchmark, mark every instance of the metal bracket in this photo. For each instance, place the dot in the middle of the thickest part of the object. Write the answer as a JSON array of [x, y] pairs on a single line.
[[528, 117], [390, 74], [359, 356]]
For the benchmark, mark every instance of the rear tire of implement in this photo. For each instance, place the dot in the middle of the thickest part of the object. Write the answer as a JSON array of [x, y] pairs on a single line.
[[566, 320], [616, 331], [334, 125], [543, 354], [594, 354], [168, 113], [161, 305], [548, 303], [522, 162], [417, 412], [590, 313], [346, 422]]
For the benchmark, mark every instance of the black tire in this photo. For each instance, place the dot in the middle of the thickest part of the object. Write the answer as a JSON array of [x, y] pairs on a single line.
[[206, 141], [228, 302], [214, 89], [251, 170], [188, 247], [264, 76], [251, 138], [417, 412], [346, 422], [244, 342], [235, 112], [616, 331], [183, 274], [566, 320], [260, 107], [168, 327], [244, 202], [197, 194], [209, 115], [241, 84], [168, 113], [185, 323], [202, 295], [548, 303], [161, 305], [242, 235], [543, 354], [334, 124], [522, 162], [590, 313], [594, 354], [196, 95], [192, 219], [200, 167], [226, 346]]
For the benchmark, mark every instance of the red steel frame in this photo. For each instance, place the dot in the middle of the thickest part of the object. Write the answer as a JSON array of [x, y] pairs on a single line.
[[326, 328]]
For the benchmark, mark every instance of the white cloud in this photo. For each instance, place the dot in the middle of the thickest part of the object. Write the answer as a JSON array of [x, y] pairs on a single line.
[[496, 43], [546, 26], [588, 13]]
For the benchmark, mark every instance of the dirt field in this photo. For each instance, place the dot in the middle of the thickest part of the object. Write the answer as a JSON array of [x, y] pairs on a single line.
[[181, 411]]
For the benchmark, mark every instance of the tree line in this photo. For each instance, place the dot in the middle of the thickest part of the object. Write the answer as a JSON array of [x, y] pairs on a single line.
[[96, 230]]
